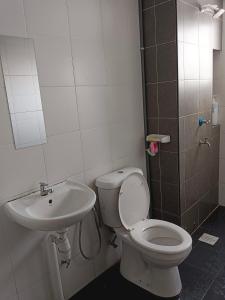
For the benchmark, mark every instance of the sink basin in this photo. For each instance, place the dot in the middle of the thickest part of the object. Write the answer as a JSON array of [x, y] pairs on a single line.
[[67, 205]]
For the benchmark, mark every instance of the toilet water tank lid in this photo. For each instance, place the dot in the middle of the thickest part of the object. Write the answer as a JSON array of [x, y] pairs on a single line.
[[134, 200], [115, 179]]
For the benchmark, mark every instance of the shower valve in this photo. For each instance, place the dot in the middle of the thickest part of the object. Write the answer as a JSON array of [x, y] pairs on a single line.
[[205, 141]]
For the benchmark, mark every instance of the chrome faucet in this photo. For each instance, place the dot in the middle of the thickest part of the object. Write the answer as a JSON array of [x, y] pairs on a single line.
[[44, 190], [205, 142]]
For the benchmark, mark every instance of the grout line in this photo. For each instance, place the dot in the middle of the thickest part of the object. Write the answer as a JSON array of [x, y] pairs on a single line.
[[209, 287], [75, 87], [181, 80], [161, 82], [155, 5], [214, 280], [160, 44], [178, 113], [193, 266], [188, 4], [25, 18], [157, 97], [108, 80], [200, 225], [42, 146], [202, 271], [197, 202], [169, 152]]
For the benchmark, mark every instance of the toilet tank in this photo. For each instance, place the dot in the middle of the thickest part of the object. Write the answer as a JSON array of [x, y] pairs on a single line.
[[108, 191]]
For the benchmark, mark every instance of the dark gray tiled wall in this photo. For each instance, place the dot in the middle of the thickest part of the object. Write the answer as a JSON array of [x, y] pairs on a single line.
[[199, 165], [160, 42], [178, 72]]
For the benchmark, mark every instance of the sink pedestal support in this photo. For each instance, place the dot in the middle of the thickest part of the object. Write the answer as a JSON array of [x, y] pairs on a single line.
[[58, 242]]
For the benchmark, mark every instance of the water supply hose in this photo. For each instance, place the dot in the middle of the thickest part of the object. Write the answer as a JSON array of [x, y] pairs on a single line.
[[97, 222]]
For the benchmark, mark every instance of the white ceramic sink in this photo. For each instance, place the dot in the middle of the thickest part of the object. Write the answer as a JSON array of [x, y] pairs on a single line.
[[67, 205]]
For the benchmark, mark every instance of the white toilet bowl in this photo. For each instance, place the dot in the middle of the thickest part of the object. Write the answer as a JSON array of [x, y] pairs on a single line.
[[163, 246], [162, 243], [151, 249]]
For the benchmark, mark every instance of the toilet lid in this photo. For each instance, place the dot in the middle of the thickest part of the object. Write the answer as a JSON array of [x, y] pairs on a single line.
[[134, 200]]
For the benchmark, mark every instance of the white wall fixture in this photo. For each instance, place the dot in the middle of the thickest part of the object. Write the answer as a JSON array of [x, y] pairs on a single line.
[[151, 249], [160, 138], [56, 210], [154, 140], [53, 263], [67, 205]]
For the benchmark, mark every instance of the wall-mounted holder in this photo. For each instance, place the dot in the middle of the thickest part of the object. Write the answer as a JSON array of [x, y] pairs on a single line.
[[202, 121], [154, 140]]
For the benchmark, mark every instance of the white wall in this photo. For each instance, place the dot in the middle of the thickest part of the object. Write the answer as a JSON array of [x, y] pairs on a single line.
[[88, 62], [219, 90]]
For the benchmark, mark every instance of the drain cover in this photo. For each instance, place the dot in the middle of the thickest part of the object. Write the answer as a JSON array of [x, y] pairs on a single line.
[[208, 239]]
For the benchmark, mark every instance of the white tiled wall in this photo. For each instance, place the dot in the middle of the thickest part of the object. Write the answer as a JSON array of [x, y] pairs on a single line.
[[219, 90], [90, 78]]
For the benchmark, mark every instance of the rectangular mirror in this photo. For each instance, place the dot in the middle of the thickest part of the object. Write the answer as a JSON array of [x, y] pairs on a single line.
[[23, 92]]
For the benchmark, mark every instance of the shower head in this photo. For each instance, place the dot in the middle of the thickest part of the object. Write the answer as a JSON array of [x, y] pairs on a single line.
[[212, 10]]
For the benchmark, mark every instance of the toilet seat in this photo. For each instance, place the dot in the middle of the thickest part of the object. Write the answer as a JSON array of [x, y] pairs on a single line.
[[134, 200], [160, 236], [149, 235]]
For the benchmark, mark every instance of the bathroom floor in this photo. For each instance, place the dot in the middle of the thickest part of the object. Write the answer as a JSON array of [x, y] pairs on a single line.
[[203, 273]]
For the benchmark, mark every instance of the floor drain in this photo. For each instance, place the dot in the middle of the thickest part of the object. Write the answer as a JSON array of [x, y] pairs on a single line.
[[208, 239]]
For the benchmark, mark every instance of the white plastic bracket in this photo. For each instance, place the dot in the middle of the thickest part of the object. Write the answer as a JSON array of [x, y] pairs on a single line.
[[159, 138], [156, 139]]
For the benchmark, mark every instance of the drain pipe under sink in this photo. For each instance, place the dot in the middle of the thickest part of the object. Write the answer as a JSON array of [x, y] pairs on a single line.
[[58, 243], [59, 251]]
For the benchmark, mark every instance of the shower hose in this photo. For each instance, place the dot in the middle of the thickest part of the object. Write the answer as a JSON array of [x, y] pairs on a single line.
[[97, 224]]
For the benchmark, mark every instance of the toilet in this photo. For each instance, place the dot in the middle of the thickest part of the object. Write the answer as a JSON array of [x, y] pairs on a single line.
[[151, 249]]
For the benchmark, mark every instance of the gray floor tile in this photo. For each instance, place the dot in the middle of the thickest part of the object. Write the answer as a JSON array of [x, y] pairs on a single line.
[[195, 283]]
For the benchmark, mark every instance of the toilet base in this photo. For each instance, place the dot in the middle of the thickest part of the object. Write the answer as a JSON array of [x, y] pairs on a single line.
[[162, 282]]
